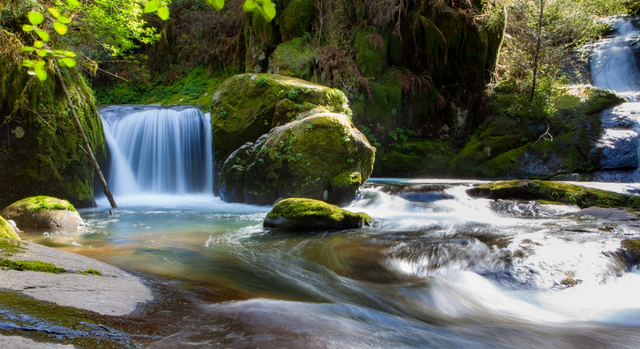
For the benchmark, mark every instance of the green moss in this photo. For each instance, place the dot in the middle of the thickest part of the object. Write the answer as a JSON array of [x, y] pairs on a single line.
[[385, 103], [47, 159], [243, 110], [417, 159], [296, 19], [554, 191], [347, 179], [580, 100], [30, 266], [293, 58], [370, 47], [90, 272], [308, 214], [6, 232], [10, 246], [40, 203]]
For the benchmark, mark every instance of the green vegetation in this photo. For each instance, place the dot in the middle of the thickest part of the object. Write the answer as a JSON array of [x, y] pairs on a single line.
[[632, 247], [6, 232], [554, 192], [30, 266], [90, 272], [10, 246], [306, 214], [40, 203]]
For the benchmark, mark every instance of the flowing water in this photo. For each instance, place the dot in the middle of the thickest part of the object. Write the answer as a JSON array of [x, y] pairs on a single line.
[[437, 270]]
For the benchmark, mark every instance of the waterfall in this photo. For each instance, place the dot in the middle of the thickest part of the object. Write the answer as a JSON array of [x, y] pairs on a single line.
[[613, 67], [156, 150]]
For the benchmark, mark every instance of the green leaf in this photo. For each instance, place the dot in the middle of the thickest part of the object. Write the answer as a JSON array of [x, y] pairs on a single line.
[[27, 49], [64, 20], [60, 28], [70, 54], [218, 4], [269, 11], [73, 3], [163, 13], [42, 34], [28, 28], [62, 63], [249, 6], [152, 6], [54, 12], [41, 73], [69, 62], [42, 53], [38, 64], [38, 44], [35, 18]]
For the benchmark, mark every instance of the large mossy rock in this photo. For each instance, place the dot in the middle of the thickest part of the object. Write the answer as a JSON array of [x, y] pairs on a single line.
[[320, 156], [43, 212], [6, 231], [247, 106], [40, 148], [508, 143], [558, 192], [297, 214]]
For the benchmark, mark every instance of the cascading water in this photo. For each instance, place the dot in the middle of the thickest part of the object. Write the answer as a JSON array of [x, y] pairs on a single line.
[[614, 67], [158, 150]]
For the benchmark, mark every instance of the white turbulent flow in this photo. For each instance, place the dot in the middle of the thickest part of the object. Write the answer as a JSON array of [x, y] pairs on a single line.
[[613, 65], [157, 150]]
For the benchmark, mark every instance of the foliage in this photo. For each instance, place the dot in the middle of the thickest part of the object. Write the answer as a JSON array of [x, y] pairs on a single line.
[[30, 266]]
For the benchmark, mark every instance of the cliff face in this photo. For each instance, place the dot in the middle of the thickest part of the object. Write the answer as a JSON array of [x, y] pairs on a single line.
[[40, 149]]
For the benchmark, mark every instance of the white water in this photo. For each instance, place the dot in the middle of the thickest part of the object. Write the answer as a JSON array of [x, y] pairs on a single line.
[[156, 152]]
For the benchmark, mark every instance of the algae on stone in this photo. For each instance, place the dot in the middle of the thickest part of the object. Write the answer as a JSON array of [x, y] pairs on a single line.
[[554, 191], [293, 58], [296, 214]]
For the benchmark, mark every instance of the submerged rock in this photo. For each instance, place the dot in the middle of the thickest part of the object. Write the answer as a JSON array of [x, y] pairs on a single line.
[[321, 156], [6, 231], [43, 212], [298, 214], [554, 192]]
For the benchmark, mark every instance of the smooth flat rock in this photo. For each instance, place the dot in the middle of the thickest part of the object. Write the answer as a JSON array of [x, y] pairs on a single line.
[[116, 293], [15, 342], [613, 214]]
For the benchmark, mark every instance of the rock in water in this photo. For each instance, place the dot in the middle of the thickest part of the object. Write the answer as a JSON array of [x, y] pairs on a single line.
[[6, 231], [321, 156], [43, 212], [278, 137], [298, 214]]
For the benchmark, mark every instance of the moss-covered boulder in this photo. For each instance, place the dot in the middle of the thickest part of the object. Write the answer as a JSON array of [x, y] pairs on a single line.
[[43, 212], [249, 105], [6, 231], [320, 156], [293, 58], [548, 191], [297, 214], [40, 149]]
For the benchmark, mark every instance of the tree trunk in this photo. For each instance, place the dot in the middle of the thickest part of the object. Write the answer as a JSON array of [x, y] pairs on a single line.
[[87, 147], [536, 61]]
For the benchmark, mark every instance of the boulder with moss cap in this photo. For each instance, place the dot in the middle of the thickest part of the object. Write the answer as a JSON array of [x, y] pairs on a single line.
[[43, 212], [320, 156], [297, 214], [247, 106]]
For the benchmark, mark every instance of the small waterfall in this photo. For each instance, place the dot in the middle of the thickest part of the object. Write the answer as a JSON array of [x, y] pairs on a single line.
[[613, 67], [157, 150]]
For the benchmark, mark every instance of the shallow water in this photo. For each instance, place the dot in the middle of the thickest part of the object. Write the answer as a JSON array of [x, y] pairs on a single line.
[[440, 270]]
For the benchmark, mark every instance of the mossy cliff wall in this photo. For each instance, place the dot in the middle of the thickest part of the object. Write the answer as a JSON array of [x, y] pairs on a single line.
[[40, 149]]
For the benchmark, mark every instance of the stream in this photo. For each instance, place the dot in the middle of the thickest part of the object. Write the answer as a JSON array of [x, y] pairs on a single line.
[[437, 270]]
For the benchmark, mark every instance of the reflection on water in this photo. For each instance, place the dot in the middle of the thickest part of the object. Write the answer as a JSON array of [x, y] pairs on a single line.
[[446, 272]]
